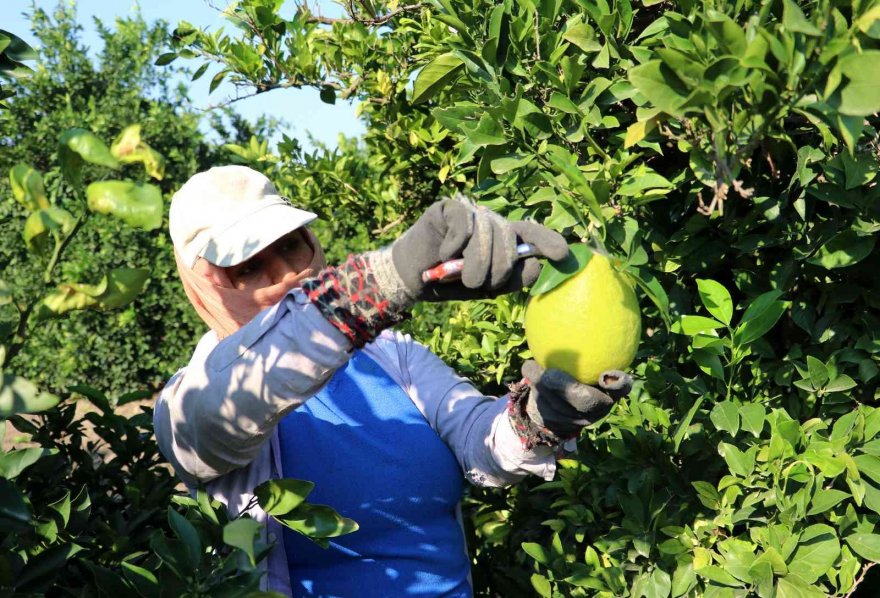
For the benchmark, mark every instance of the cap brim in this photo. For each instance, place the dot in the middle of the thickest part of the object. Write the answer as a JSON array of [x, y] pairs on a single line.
[[249, 236]]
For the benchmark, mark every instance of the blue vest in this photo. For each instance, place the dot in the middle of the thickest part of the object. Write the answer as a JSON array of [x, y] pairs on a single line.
[[374, 458]]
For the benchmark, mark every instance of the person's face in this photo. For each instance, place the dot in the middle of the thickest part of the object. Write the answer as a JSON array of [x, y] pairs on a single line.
[[289, 254]]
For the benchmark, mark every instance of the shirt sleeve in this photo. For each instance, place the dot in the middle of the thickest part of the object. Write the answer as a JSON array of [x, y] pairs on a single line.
[[214, 415], [474, 426]]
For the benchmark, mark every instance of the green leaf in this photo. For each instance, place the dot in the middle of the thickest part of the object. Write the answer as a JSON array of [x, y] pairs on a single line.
[[117, 289], [660, 584], [683, 580], [541, 585], [435, 75], [725, 416], [200, 72], [12, 504], [14, 462], [44, 224], [555, 273], [868, 465], [650, 285], [279, 497], [793, 586], [716, 299], [5, 294], [187, 534], [486, 131], [241, 533], [816, 552], [823, 500], [129, 148], [753, 415], [865, 545], [136, 204], [841, 384], [144, 582], [844, 249], [203, 499], [17, 49], [719, 575], [318, 521], [637, 132], [46, 564], [641, 182], [172, 553], [62, 507], [760, 316], [505, 164], [709, 363], [708, 494], [563, 103], [660, 86], [739, 462], [727, 32], [108, 582], [685, 422], [818, 372], [328, 95], [166, 58], [78, 145], [217, 79], [27, 187], [18, 396], [583, 36], [861, 96], [693, 325], [794, 19], [566, 163], [537, 552]]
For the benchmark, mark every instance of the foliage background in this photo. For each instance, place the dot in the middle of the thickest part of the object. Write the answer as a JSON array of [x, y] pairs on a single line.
[[724, 152], [142, 345]]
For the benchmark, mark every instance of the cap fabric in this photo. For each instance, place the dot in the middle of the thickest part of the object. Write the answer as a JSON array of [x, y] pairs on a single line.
[[228, 214]]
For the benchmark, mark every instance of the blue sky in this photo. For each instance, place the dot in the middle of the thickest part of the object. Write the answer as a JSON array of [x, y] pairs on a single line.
[[302, 109]]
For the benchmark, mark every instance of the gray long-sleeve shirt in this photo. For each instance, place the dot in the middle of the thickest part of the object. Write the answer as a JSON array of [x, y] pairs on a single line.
[[216, 419]]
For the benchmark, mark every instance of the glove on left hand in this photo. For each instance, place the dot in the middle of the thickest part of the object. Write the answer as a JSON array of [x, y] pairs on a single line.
[[552, 406]]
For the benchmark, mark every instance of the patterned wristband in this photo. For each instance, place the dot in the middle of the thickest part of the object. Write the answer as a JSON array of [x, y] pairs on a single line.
[[351, 299], [530, 433]]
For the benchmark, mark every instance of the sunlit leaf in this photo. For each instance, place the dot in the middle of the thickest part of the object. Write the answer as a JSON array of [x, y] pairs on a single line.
[[435, 75], [136, 204], [79, 145], [27, 187], [279, 497]]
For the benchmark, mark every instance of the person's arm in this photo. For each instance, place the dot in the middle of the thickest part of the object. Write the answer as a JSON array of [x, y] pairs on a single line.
[[214, 415], [476, 427]]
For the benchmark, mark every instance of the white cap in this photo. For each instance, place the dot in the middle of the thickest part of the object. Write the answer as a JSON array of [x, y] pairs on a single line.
[[228, 214]]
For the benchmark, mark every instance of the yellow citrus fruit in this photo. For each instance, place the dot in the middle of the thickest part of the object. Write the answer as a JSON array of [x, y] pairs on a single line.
[[588, 324]]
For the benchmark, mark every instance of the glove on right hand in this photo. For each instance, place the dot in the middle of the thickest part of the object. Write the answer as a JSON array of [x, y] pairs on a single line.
[[456, 227], [559, 403]]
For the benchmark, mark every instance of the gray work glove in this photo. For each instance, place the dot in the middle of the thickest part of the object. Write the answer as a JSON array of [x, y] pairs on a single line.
[[551, 406], [453, 228]]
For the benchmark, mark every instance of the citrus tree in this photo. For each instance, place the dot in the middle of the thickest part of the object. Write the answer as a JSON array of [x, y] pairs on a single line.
[[87, 505], [725, 154]]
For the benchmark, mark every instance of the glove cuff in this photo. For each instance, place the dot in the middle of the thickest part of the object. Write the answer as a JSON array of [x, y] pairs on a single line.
[[360, 297], [530, 433], [388, 280]]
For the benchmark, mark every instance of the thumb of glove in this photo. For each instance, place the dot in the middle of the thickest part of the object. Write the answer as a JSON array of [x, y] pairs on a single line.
[[615, 383]]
